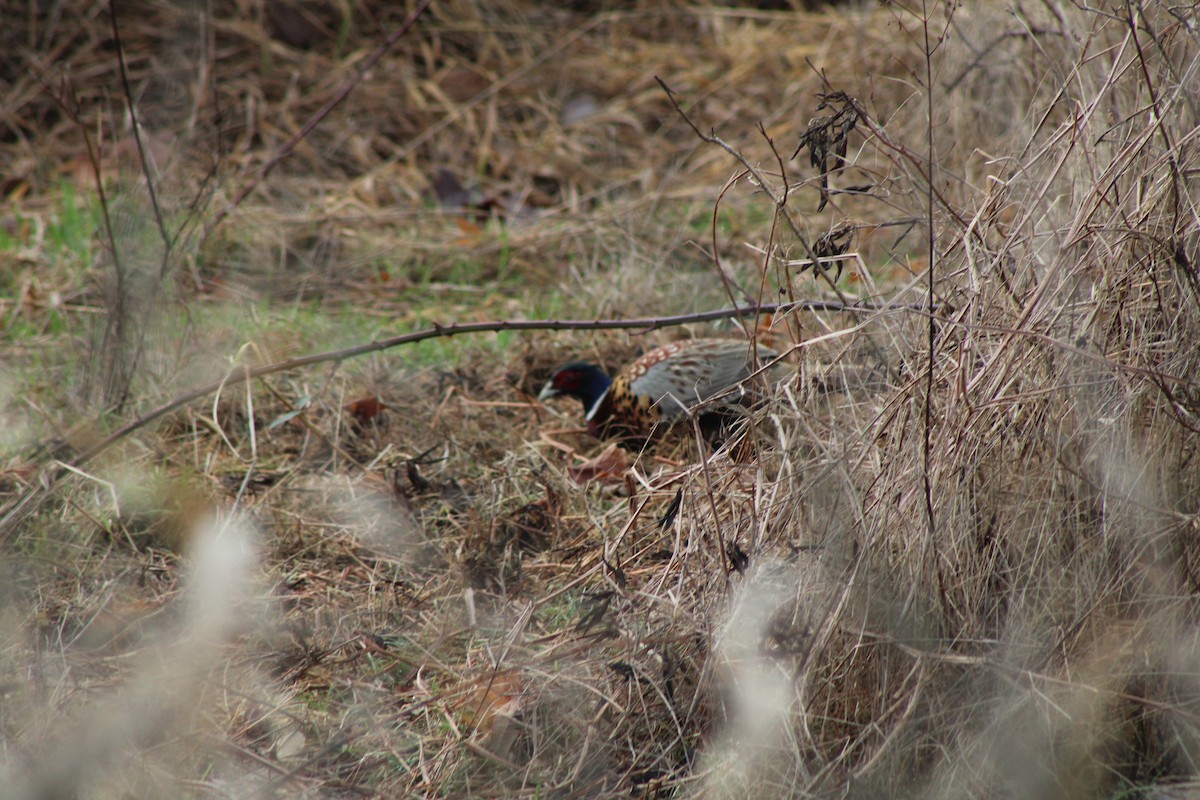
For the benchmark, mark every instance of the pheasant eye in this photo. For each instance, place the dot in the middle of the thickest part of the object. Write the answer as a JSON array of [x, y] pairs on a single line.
[[567, 379]]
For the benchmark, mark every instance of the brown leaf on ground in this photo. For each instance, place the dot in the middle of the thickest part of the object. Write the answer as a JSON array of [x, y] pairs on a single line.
[[364, 409], [608, 467], [493, 710]]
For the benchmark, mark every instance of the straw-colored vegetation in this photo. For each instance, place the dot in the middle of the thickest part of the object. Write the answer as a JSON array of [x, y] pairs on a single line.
[[954, 555]]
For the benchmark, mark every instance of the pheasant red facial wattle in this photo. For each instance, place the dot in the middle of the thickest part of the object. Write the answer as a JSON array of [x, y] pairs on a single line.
[[658, 389]]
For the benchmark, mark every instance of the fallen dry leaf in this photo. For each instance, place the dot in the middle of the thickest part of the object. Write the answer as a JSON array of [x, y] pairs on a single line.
[[608, 467]]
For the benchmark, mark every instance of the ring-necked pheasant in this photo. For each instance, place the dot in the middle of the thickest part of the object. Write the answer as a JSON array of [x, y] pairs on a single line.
[[659, 388]]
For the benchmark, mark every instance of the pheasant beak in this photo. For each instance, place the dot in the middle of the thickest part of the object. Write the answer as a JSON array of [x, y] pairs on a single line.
[[548, 391]]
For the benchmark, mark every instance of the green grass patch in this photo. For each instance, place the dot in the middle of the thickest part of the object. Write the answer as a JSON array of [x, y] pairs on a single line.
[[72, 230]]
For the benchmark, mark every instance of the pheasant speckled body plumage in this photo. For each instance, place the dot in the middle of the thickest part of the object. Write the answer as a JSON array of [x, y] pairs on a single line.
[[658, 389]]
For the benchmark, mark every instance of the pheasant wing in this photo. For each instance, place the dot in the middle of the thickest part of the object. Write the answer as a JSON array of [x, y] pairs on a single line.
[[678, 377]]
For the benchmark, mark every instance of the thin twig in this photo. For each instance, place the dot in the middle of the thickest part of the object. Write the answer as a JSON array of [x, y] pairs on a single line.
[[287, 147], [712, 138], [117, 315], [726, 281], [931, 330], [137, 137], [242, 373]]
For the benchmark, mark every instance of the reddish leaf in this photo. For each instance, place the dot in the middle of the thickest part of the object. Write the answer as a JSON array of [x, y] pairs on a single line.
[[608, 467], [364, 409]]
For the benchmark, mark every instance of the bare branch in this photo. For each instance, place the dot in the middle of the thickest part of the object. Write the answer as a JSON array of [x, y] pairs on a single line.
[[240, 374], [287, 147], [137, 138], [756, 175]]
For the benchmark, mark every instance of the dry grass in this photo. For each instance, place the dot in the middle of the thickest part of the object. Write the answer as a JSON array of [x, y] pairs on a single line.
[[958, 570]]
